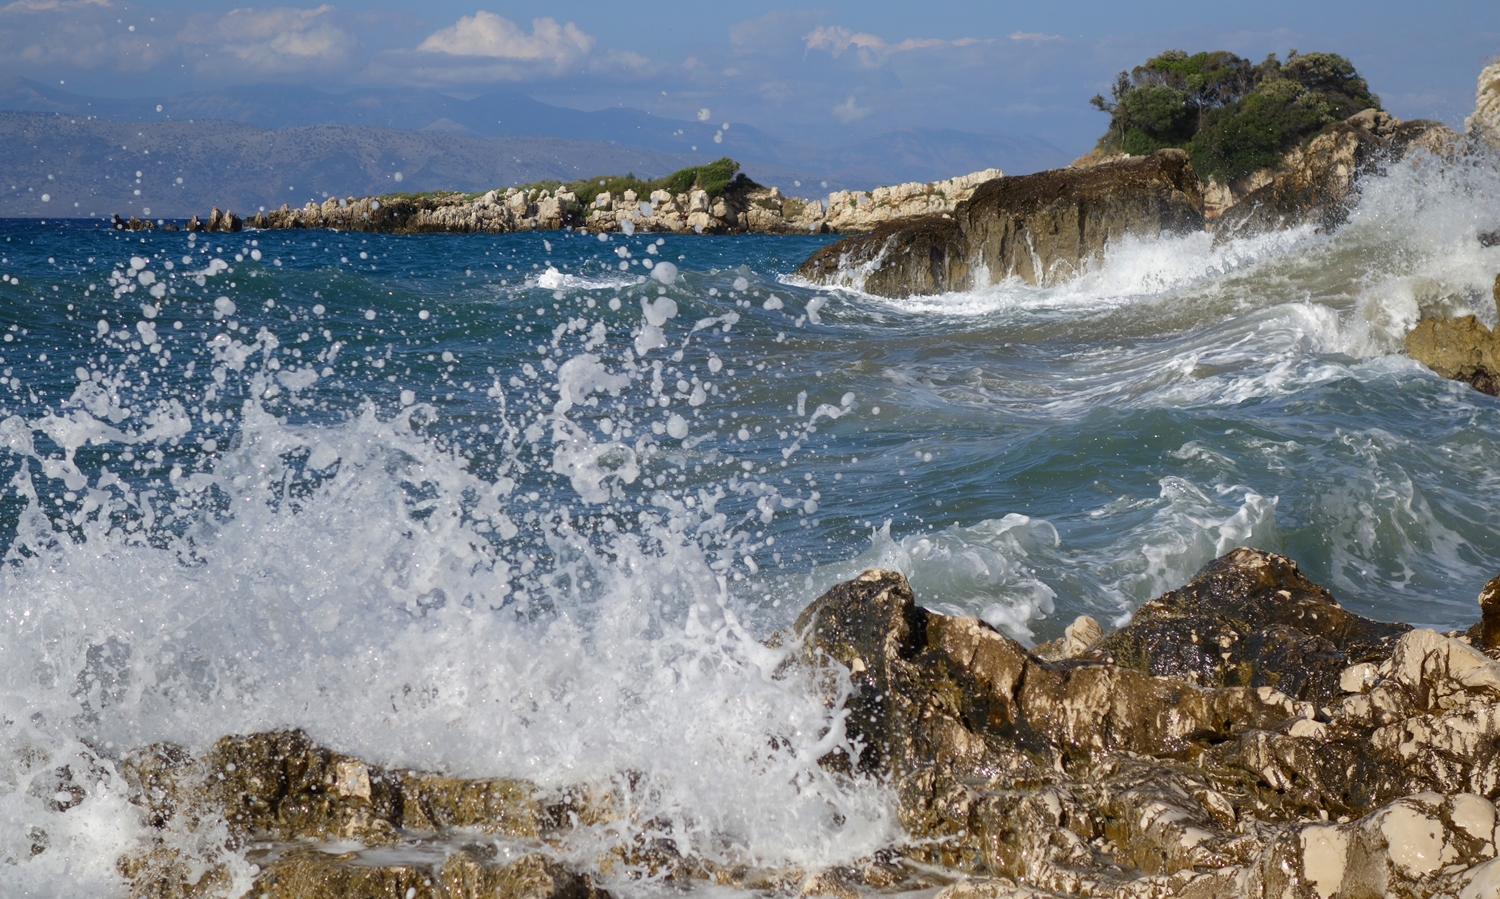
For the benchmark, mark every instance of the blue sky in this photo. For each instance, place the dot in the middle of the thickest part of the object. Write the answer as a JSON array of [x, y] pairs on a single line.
[[827, 73]]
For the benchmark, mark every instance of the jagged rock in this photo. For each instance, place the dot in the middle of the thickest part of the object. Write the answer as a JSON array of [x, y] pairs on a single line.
[[133, 224], [1042, 228], [857, 210], [1079, 637], [469, 873], [1318, 184], [1464, 349], [1484, 123], [1083, 777], [1250, 619], [1244, 736]]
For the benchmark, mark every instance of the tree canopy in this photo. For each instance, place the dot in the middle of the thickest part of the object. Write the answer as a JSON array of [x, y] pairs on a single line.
[[1231, 115]]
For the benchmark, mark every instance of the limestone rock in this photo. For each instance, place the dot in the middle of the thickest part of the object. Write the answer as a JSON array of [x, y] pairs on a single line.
[[470, 873], [1464, 349], [1042, 228], [1484, 123], [1318, 184], [1086, 777]]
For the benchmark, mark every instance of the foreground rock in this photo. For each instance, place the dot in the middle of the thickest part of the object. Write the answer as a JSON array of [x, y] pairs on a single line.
[[1245, 736], [1042, 228], [1373, 773], [1464, 349]]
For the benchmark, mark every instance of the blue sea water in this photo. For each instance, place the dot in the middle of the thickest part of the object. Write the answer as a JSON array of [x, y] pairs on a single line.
[[525, 505]]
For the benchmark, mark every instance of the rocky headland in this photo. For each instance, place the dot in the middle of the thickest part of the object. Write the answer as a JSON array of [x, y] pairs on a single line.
[[1245, 735], [704, 201]]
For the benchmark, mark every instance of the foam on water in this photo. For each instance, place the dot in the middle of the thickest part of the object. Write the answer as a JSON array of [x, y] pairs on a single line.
[[363, 580], [537, 523]]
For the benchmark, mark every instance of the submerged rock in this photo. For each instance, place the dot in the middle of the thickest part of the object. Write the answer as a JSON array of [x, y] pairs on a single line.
[[1042, 228], [1463, 348]]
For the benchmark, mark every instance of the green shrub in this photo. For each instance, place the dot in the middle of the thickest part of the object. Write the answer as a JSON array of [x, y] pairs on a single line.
[[1231, 116]]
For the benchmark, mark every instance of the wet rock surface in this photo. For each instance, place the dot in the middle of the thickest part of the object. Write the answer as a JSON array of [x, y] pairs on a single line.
[[1318, 183], [1245, 735], [1463, 348], [1042, 228], [1317, 754]]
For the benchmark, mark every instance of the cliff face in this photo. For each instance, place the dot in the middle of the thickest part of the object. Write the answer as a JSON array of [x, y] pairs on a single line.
[[1485, 122], [1318, 183], [1042, 228]]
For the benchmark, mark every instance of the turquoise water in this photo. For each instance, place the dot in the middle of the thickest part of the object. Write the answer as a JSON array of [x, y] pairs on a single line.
[[521, 505]]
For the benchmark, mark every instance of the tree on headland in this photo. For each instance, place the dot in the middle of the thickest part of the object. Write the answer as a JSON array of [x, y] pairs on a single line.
[[1231, 115]]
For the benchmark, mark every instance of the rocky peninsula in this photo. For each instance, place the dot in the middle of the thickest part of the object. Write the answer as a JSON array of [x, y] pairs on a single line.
[[711, 199], [1245, 735]]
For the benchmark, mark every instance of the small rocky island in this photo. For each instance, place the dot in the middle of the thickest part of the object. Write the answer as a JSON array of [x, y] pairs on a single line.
[[1245, 735]]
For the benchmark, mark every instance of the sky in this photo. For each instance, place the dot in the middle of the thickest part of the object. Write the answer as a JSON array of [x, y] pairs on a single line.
[[828, 73]]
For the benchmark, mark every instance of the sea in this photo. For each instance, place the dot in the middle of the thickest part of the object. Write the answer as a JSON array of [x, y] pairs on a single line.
[[534, 505]]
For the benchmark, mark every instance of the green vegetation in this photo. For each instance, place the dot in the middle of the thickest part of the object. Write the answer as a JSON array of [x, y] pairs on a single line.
[[716, 178], [1232, 116]]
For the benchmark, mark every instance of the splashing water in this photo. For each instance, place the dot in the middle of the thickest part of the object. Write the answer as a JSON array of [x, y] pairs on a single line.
[[506, 506]]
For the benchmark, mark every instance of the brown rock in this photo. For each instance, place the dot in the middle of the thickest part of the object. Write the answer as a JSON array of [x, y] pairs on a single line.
[[1318, 183], [1488, 629], [470, 873], [1042, 228], [1463, 349]]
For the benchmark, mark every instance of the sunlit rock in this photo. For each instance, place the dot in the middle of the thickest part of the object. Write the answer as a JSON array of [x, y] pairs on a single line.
[[1042, 228]]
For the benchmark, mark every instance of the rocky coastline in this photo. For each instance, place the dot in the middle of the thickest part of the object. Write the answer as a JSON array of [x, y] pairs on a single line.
[[1245, 735], [742, 207]]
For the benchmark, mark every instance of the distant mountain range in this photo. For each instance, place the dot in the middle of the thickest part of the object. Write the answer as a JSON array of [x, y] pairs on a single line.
[[353, 143]]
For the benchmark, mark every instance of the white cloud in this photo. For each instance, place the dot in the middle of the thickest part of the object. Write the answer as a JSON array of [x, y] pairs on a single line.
[[486, 34], [1035, 37], [271, 42], [849, 111], [871, 48]]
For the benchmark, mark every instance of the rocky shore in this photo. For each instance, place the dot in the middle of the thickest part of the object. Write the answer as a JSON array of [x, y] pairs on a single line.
[[1047, 227], [1245, 735], [742, 208]]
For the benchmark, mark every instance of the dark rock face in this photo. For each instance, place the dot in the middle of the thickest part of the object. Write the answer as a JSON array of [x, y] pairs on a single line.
[[1318, 183], [1042, 228], [1250, 619], [1463, 349], [920, 256]]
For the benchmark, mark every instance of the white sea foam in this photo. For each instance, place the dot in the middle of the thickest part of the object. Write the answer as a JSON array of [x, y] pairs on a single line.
[[359, 580]]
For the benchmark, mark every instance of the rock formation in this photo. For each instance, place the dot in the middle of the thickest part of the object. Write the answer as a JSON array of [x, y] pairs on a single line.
[[1245, 736], [1318, 183], [739, 210], [1042, 228], [1464, 349], [1484, 124]]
